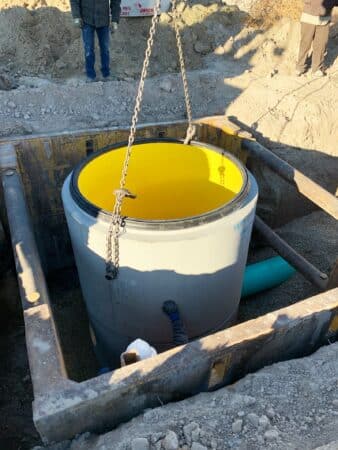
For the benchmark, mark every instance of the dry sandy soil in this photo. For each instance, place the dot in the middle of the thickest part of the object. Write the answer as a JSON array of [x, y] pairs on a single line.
[[245, 72]]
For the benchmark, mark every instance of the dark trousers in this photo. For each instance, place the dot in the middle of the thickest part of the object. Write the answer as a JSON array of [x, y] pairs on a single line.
[[88, 35], [318, 36]]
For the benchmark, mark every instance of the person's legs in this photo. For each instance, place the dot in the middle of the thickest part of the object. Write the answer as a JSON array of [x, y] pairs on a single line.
[[103, 35], [88, 34], [307, 34], [319, 47]]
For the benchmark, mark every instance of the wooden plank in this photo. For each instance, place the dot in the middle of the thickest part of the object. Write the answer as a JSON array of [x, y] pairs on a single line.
[[333, 278], [219, 131], [203, 365]]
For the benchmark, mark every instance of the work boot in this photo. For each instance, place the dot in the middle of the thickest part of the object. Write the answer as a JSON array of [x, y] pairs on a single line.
[[318, 74], [90, 80], [299, 73]]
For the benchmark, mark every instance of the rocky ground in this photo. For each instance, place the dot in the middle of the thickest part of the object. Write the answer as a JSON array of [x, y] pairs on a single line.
[[290, 405], [234, 67]]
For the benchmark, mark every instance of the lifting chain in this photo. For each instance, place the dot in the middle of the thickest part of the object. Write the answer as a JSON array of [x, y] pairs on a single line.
[[191, 128], [117, 222]]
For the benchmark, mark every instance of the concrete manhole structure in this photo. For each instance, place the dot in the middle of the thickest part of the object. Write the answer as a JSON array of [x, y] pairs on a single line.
[[69, 397]]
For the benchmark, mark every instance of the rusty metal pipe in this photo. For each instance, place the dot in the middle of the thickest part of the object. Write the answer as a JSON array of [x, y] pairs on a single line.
[[308, 188], [308, 270]]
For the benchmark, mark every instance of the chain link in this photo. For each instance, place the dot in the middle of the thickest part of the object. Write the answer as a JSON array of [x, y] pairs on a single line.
[[117, 223], [191, 128]]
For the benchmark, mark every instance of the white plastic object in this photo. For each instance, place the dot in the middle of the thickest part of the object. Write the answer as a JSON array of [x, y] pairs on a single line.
[[140, 349], [141, 8]]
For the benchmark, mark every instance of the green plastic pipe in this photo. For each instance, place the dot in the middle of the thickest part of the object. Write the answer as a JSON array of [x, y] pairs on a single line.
[[265, 275]]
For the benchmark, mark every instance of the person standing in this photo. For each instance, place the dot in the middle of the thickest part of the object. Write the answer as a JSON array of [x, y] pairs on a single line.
[[100, 17], [315, 22]]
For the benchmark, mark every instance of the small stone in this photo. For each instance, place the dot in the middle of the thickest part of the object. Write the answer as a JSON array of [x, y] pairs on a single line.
[[156, 437], [129, 72], [60, 65], [253, 419], [6, 84], [270, 413], [170, 441], [271, 435], [241, 414], [249, 401], [17, 114], [188, 429], [260, 440], [213, 444], [237, 426], [140, 444], [195, 434], [264, 422], [26, 116], [201, 47], [166, 85], [197, 446], [335, 402], [11, 105], [95, 116]]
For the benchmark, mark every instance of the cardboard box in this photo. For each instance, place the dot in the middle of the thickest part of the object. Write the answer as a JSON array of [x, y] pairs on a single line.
[[141, 8]]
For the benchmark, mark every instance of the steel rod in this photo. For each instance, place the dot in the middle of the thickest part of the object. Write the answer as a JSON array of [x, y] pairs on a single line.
[[308, 188], [308, 270]]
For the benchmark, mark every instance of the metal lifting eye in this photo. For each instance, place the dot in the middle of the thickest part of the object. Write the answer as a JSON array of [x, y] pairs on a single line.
[[121, 193]]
